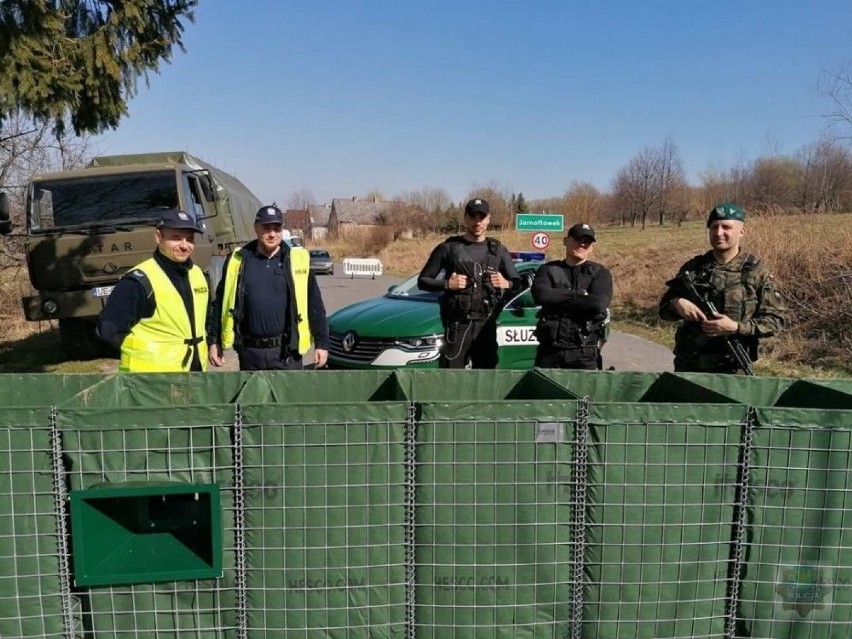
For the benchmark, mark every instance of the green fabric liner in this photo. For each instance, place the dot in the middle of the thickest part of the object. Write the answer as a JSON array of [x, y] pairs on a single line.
[[174, 389], [310, 386], [39, 389], [30, 605], [190, 444], [798, 577], [461, 385], [659, 523], [325, 507], [493, 518]]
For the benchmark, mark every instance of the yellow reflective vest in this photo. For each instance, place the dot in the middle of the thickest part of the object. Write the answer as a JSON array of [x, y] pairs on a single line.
[[300, 262], [164, 343]]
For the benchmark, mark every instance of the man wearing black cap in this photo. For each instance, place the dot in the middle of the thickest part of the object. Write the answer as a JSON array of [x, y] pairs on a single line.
[[739, 286], [474, 273], [268, 304], [575, 294], [156, 313]]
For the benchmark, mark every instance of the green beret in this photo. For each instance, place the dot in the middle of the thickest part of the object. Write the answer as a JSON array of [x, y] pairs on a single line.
[[725, 211]]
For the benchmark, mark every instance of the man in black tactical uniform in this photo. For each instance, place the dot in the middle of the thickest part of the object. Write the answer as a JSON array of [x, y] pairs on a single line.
[[741, 289], [575, 295], [474, 272]]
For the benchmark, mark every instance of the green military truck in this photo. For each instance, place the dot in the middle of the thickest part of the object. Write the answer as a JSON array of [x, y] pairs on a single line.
[[87, 227]]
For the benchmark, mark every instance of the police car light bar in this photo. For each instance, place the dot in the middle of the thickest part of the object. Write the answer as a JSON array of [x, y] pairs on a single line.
[[526, 256]]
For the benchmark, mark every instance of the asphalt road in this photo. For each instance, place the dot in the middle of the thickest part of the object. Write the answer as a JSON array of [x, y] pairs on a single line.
[[624, 352]]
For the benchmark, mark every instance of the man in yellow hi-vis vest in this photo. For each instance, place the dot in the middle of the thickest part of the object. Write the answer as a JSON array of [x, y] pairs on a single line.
[[156, 314], [268, 304]]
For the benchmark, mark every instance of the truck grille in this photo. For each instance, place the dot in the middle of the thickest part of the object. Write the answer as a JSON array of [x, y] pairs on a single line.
[[365, 349]]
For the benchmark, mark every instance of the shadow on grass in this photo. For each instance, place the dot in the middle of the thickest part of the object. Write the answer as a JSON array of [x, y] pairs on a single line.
[[44, 353]]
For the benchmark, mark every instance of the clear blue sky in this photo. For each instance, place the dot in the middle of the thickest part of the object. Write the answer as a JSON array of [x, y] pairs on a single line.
[[344, 97]]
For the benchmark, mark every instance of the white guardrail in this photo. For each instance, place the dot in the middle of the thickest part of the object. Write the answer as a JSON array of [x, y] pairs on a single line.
[[353, 266]]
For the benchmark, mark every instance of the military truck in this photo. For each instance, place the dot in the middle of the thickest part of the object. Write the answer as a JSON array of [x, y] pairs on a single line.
[[87, 227]]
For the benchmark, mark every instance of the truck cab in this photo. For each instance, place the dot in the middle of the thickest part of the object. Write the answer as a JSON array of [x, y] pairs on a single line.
[[86, 228]]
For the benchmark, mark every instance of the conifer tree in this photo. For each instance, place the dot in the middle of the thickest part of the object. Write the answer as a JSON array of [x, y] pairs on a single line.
[[83, 58]]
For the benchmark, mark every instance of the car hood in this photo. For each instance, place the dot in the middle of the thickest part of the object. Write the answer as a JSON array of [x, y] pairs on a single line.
[[388, 317]]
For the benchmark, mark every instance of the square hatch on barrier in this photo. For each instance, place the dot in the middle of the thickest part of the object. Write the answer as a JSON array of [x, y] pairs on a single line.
[[145, 533]]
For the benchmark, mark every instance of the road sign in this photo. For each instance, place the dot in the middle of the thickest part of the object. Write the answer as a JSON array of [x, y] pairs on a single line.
[[540, 240], [552, 222]]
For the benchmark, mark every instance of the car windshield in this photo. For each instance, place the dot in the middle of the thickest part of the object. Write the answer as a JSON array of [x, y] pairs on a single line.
[[408, 289], [319, 254]]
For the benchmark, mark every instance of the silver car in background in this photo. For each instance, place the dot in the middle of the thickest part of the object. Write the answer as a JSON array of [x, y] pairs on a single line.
[[321, 262]]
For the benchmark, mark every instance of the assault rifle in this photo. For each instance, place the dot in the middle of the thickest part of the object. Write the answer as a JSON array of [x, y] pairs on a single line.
[[735, 346]]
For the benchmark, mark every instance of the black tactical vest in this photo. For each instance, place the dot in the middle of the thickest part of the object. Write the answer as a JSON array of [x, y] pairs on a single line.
[[562, 330], [479, 299]]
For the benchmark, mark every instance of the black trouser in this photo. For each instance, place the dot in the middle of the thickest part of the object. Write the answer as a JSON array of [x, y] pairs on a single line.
[[473, 342], [580, 357], [268, 359]]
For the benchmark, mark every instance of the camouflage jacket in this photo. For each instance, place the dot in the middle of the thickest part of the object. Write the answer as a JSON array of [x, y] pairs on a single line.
[[744, 290]]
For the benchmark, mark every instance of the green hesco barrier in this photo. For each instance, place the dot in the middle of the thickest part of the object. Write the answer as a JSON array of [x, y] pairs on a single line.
[[668, 388], [321, 387], [493, 510], [38, 389], [659, 525], [326, 515], [140, 446], [437, 504], [30, 589], [460, 385], [797, 582], [823, 395], [753, 391], [160, 389]]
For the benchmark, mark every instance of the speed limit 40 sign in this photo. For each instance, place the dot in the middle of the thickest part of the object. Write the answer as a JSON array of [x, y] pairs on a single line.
[[540, 240]]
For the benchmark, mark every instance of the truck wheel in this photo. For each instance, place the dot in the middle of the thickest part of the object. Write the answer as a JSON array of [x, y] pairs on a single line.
[[79, 340]]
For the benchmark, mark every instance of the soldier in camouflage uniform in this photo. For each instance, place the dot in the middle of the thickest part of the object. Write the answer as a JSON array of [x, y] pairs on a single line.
[[740, 287]]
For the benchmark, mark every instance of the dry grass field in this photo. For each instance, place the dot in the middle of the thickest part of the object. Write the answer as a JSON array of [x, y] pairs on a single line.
[[810, 256]]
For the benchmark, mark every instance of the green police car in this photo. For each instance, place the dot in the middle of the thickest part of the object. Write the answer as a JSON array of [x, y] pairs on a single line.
[[403, 327]]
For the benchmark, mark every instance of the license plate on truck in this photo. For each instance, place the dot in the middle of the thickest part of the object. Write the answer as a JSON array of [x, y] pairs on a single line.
[[102, 291]]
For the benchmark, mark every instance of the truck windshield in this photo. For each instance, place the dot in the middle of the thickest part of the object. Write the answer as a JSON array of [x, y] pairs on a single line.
[[102, 199]]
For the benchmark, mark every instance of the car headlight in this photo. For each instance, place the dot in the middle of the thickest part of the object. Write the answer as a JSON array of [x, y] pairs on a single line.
[[419, 343]]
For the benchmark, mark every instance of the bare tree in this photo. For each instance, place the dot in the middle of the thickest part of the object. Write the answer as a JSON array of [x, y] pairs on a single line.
[[299, 200], [826, 177], [28, 147], [403, 218], [636, 187], [672, 181], [434, 203], [583, 202], [374, 195], [549, 205], [835, 85], [499, 202], [774, 184]]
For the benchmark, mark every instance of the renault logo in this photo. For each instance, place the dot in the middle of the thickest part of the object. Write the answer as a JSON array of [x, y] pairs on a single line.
[[348, 342]]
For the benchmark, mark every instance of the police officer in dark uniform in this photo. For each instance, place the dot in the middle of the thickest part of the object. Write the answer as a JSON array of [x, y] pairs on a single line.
[[475, 273], [156, 313], [268, 304], [739, 286], [575, 294]]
